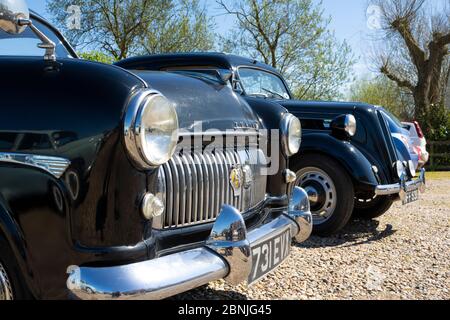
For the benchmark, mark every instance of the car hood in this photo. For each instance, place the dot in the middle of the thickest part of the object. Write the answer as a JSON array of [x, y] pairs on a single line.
[[199, 100]]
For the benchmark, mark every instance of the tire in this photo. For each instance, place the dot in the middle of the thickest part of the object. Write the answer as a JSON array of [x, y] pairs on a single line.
[[373, 208], [11, 285], [330, 190]]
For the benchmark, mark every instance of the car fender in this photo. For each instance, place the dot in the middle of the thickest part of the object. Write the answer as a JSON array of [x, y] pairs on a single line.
[[352, 160]]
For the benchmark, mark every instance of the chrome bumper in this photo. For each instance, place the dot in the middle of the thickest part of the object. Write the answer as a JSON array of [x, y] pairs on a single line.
[[226, 255], [403, 187]]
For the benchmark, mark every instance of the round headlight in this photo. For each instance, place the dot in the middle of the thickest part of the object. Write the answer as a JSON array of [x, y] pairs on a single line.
[[350, 125], [151, 137], [291, 131], [400, 168], [411, 169]]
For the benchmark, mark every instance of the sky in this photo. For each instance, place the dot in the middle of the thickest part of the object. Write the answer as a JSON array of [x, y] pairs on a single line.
[[352, 21]]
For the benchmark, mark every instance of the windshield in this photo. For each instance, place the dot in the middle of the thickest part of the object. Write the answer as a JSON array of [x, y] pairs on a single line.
[[394, 124], [25, 44], [260, 83]]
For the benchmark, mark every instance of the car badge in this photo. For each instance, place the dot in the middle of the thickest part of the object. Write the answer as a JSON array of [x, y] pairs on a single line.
[[236, 180]]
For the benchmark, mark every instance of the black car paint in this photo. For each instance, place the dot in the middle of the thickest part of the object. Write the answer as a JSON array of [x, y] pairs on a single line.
[[357, 156], [48, 229], [87, 99]]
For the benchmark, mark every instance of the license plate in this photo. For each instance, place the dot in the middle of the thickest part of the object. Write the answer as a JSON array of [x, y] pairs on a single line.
[[269, 254], [411, 196]]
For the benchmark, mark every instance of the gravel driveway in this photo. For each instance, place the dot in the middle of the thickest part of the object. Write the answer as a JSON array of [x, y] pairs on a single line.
[[402, 255]]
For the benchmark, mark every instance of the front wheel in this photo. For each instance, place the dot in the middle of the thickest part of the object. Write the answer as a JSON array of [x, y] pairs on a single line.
[[11, 286], [6, 290], [330, 192], [372, 208]]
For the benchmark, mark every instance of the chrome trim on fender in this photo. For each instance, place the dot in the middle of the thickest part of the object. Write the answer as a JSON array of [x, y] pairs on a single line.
[[404, 186], [54, 165], [226, 254]]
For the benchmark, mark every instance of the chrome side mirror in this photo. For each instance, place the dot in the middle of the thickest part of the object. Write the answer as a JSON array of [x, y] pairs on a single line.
[[15, 17], [11, 12]]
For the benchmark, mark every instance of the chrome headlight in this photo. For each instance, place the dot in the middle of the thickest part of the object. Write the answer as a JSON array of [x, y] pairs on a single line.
[[350, 125], [411, 168], [344, 126], [399, 168], [151, 126], [291, 134]]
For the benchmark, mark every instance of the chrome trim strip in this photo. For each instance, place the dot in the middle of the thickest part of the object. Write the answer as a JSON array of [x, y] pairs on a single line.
[[56, 166]]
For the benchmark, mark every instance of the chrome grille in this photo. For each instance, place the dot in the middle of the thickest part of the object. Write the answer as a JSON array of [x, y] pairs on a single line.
[[197, 184]]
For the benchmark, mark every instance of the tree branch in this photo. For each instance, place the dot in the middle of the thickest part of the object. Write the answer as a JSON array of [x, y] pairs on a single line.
[[400, 82]]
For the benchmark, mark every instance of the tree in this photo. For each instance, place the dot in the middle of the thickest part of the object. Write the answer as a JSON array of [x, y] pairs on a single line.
[[96, 56], [383, 92], [292, 36], [186, 29], [414, 52], [121, 28]]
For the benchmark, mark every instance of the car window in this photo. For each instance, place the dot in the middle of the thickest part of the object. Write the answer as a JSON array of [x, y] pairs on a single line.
[[25, 44], [33, 141], [257, 82], [395, 126], [63, 138], [7, 140]]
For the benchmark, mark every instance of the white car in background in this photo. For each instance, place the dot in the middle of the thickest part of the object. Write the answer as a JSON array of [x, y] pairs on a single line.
[[418, 141]]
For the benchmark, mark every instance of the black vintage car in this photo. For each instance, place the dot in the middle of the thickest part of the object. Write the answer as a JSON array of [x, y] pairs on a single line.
[[109, 190], [349, 162]]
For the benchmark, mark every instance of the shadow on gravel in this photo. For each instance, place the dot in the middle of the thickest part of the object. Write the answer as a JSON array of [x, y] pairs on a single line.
[[206, 293], [357, 232]]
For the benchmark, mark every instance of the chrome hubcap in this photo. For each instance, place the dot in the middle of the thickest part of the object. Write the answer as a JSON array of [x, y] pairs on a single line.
[[5, 285], [321, 193]]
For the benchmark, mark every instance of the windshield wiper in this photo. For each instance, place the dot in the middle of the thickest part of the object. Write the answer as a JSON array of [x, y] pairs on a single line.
[[273, 93]]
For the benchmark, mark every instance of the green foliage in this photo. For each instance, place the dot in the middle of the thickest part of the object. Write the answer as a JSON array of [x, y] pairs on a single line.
[[293, 37], [381, 91], [96, 56], [130, 27], [185, 28], [440, 124]]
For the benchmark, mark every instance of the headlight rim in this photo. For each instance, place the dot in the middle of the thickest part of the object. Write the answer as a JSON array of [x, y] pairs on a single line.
[[285, 127], [132, 128]]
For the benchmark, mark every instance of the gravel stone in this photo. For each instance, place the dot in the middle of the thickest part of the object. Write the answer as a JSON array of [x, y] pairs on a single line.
[[402, 255]]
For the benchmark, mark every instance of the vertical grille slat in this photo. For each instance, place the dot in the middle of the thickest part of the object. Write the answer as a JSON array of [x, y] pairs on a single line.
[[198, 185], [199, 195], [188, 176], [169, 196], [176, 192], [207, 187], [182, 197], [194, 188]]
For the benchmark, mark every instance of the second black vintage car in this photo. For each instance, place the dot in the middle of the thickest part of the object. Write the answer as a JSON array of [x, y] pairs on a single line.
[[107, 190], [348, 164]]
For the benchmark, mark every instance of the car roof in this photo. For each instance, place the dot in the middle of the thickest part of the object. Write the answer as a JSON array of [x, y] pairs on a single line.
[[218, 59]]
